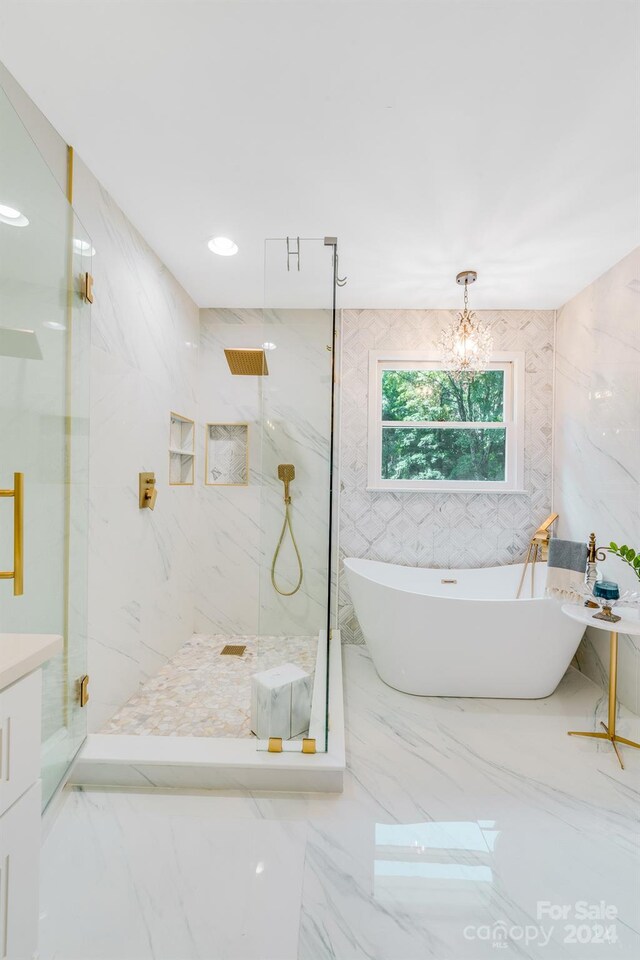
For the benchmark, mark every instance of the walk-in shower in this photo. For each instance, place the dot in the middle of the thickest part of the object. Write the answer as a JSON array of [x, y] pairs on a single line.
[[255, 672], [252, 538]]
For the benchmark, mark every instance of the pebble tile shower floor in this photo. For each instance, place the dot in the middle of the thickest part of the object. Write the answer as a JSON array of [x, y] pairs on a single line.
[[200, 693]]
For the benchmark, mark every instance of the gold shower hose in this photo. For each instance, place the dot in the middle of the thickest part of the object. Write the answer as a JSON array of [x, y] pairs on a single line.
[[287, 523]]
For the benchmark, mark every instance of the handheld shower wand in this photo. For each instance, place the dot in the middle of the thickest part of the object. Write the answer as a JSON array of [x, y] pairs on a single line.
[[286, 473]]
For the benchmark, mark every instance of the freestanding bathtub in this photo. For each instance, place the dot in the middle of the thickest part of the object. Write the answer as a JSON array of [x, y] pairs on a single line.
[[462, 633]]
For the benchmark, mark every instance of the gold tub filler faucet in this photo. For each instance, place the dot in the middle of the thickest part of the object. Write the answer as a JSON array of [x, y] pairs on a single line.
[[286, 473], [538, 550]]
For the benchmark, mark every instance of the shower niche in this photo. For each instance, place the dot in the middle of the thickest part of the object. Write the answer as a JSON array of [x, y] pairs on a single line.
[[227, 455], [181, 450]]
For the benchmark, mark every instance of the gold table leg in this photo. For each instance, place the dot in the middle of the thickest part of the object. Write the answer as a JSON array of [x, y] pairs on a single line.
[[610, 728]]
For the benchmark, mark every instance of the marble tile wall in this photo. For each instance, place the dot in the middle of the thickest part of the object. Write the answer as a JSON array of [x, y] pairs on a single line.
[[597, 441], [227, 536], [297, 418], [439, 529], [239, 526], [143, 366]]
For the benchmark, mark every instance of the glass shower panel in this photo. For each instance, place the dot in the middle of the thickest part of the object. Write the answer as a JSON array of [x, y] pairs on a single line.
[[61, 690], [296, 427], [44, 368]]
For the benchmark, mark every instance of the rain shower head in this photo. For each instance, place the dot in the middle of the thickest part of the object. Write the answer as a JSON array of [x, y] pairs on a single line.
[[247, 362]]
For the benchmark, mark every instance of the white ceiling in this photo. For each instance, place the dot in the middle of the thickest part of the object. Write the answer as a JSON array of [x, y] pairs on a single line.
[[501, 135]]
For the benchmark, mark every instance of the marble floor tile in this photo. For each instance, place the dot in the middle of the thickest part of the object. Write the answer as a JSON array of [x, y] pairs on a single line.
[[157, 878], [201, 693], [468, 829]]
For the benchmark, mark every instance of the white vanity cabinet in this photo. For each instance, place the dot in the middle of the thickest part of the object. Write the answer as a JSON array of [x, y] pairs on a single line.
[[20, 789], [20, 735], [20, 876]]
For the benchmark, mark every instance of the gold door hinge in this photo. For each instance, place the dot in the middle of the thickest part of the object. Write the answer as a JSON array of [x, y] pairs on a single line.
[[84, 690], [86, 284], [275, 745], [308, 745]]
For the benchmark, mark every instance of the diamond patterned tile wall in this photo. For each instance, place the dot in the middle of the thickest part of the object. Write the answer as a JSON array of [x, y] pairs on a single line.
[[439, 529], [227, 457]]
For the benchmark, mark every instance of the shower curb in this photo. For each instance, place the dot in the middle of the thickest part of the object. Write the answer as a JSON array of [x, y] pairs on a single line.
[[114, 760]]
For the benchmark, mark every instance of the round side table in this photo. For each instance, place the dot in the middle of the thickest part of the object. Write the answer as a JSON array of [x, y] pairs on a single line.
[[586, 615]]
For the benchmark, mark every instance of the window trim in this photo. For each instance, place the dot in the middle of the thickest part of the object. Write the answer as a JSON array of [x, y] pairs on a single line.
[[510, 361]]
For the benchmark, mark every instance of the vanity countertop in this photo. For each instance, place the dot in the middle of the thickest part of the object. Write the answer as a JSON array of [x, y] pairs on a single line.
[[20, 653]]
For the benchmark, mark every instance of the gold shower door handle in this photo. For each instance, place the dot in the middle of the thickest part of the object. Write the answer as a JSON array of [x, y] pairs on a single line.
[[17, 574]]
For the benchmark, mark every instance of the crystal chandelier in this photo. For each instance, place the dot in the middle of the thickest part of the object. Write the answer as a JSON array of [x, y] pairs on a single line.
[[467, 343]]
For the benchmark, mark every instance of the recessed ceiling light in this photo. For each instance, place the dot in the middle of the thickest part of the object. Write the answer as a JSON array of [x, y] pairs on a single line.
[[268, 345], [12, 216], [83, 247], [53, 325], [223, 246]]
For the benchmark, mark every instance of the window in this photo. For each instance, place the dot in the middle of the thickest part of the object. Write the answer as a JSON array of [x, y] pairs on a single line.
[[429, 432]]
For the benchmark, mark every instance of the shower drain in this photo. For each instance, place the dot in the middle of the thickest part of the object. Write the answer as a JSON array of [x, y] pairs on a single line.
[[233, 650]]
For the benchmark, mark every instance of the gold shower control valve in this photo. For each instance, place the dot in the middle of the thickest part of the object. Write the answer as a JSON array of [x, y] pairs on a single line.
[[147, 493]]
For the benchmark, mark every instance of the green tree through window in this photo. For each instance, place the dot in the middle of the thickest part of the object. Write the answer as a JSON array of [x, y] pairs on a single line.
[[427, 446]]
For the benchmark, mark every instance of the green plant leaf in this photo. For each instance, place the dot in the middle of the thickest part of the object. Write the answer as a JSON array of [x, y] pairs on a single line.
[[628, 555]]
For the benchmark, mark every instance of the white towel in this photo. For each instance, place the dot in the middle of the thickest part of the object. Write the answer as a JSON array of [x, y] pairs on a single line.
[[566, 568]]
